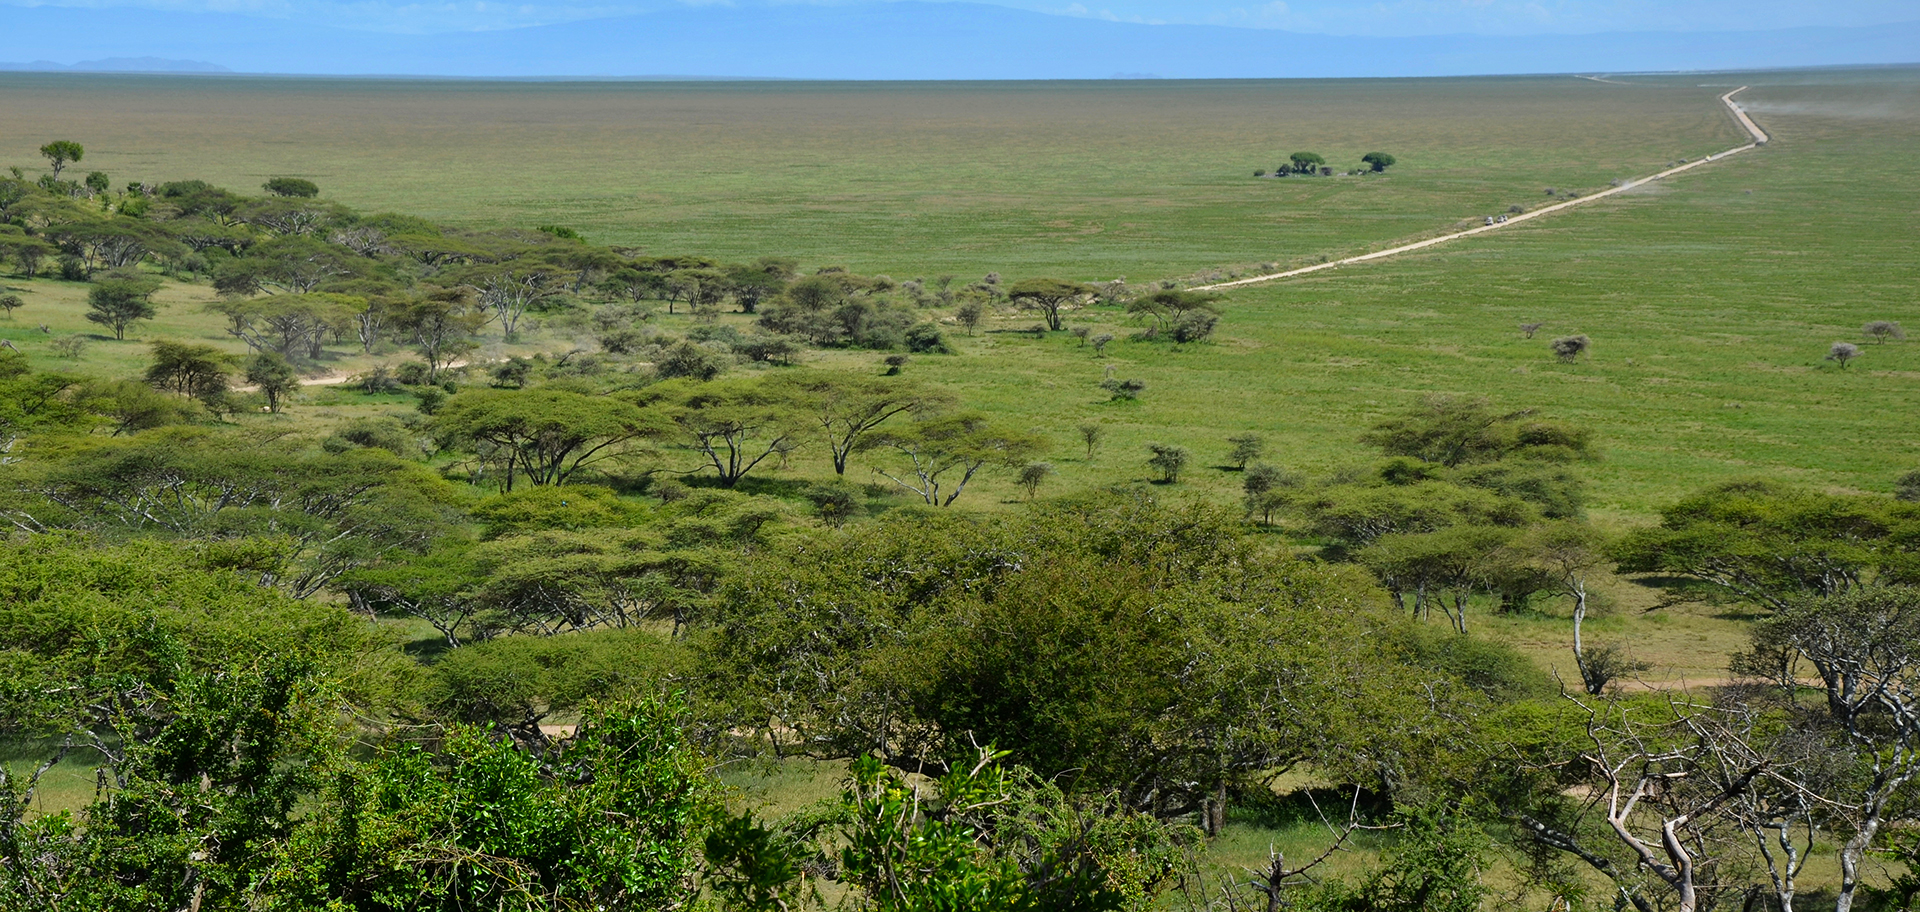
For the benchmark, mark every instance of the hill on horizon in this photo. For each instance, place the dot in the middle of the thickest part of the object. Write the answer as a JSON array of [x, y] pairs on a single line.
[[887, 41]]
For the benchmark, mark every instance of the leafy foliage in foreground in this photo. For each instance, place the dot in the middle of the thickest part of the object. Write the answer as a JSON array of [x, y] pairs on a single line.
[[1113, 642]]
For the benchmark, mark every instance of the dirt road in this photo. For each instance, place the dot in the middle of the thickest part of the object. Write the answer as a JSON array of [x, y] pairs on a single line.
[[1759, 139], [336, 379]]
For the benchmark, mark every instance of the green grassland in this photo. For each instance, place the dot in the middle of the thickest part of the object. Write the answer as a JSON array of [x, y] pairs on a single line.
[[1711, 299], [1091, 180]]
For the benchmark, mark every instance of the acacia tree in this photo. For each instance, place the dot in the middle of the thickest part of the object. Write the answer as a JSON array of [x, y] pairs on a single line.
[[1168, 460], [1246, 449], [293, 264], [1454, 431], [291, 186], [1882, 330], [195, 371], [1771, 544], [1049, 296], [60, 153], [735, 425], [1569, 348], [1306, 162], [1864, 647], [312, 515], [546, 435], [944, 453], [1378, 161], [116, 302], [847, 407], [556, 582], [1168, 307], [294, 326], [1443, 567], [435, 587], [511, 289], [1565, 555], [1053, 635], [1658, 780], [442, 324], [273, 377]]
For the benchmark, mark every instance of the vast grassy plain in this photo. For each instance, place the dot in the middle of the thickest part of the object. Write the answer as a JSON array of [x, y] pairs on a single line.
[[1091, 180], [1711, 298]]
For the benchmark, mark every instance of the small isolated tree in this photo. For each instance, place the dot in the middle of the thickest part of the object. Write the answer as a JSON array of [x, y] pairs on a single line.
[[195, 371], [925, 339], [1168, 460], [1099, 343], [10, 303], [1378, 161], [1123, 389], [1882, 330], [291, 186], [1195, 327], [69, 347], [1528, 329], [117, 301], [1306, 162], [970, 313], [689, 360], [1266, 490], [1049, 296], [1843, 352], [60, 153], [274, 377], [895, 363], [1091, 433], [1246, 448], [1169, 308], [1569, 348], [1032, 475], [98, 182]]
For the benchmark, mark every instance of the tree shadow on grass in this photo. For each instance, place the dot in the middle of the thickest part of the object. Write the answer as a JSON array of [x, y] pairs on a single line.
[[752, 484], [427, 649]]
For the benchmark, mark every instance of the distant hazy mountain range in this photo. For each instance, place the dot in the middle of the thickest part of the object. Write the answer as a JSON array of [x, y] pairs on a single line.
[[119, 65], [905, 40]]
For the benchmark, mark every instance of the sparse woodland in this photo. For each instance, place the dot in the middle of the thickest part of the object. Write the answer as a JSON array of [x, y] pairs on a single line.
[[490, 644]]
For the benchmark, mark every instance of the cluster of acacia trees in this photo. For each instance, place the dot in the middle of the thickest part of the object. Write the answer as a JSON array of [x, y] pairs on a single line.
[[197, 613], [297, 273], [1051, 708], [1315, 163]]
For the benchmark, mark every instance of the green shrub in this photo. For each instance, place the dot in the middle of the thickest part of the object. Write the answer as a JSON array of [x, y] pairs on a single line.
[[925, 338]]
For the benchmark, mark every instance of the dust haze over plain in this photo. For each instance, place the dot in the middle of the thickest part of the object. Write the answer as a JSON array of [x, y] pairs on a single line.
[[910, 39]]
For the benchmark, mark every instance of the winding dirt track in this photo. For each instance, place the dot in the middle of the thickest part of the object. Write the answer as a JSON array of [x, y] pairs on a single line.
[[1759, 139]]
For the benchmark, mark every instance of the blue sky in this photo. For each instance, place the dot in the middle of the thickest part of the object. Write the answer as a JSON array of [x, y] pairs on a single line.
[[1340, 17]]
